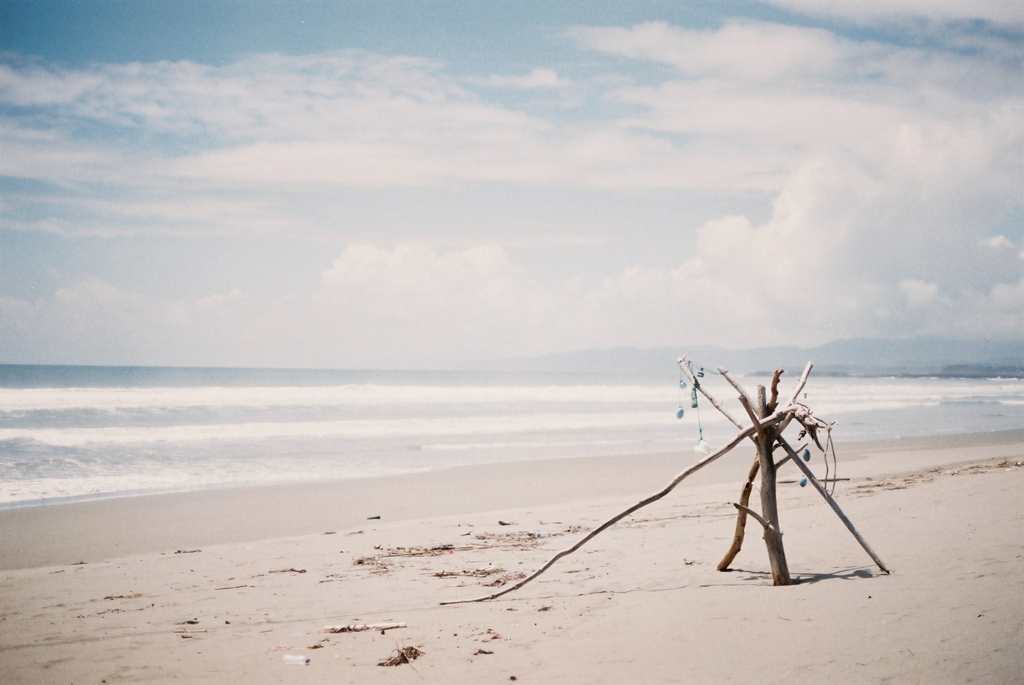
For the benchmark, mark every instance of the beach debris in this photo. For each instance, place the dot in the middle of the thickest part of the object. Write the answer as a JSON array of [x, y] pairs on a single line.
[[188, 551], [288, 570], [230, 587], [362, 627], [330, 532], [375, 564], [505, 523], [504, 579], [403, 655], [131, 596], [768, 421], [189, 622], [482, 651], [474, 573], [296, 659], [435, 551], [373, 518]]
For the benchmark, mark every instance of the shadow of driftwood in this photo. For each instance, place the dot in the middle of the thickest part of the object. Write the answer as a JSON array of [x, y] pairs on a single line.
[[845, 574], [808, 578]]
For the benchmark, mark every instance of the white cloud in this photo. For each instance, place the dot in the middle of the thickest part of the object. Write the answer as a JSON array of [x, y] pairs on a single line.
[[538, 78], [1008, 298], [756, 100], [874, 11], [745, 51], [919, 293], [997, 242]]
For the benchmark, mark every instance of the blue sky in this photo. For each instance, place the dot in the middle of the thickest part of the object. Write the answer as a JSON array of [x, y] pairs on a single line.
[[418, 184]]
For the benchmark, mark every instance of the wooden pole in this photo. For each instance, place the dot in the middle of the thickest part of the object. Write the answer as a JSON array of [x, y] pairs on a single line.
[[832, 503], [741, 517], [769, 502], [735, 384]]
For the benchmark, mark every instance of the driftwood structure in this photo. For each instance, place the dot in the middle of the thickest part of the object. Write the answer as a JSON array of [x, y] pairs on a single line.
[[767, 419]]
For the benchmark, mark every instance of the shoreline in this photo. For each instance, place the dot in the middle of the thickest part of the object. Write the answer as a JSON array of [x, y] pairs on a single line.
[[62, 533]]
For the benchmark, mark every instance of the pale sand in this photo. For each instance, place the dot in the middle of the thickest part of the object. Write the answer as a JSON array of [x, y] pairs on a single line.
[[642, 603]]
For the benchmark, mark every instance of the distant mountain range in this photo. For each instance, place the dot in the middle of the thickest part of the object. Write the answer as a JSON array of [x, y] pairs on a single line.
[[918, 356]]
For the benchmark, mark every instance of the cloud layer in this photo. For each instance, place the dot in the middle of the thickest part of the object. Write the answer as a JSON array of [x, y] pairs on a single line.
[[893, 170]]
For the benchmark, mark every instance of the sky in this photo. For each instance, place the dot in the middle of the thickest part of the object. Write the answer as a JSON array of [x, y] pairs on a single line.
[[420, 184]]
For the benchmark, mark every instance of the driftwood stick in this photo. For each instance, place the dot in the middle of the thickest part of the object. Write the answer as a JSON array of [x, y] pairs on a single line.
[[740, 437], [741, 518], [773, 402], [801, 383], [769, 503], [703, 391], [735, 384], [784, 425], [360, 627], [799, 448], [750, 512], [753, 418], [832, 503]]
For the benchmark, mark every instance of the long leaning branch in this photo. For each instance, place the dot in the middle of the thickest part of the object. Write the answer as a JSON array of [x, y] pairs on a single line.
[[832, 503], [775, 418]]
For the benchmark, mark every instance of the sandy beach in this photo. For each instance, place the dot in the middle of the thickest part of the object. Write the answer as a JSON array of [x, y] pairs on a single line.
[[221, 586]]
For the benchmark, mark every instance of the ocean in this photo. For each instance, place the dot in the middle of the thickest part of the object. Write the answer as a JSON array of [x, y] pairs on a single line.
[[72, 433]]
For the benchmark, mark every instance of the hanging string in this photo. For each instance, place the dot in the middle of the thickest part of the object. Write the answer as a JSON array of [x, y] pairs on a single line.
[[830, 447], [700, 428], [682, 385], [701, 447]]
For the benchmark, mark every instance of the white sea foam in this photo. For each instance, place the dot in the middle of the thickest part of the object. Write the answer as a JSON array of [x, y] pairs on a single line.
[[361, 429], [112, 399], [828, 393]]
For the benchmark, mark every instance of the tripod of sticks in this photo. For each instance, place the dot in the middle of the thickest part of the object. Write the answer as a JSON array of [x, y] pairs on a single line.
[[768, 420]]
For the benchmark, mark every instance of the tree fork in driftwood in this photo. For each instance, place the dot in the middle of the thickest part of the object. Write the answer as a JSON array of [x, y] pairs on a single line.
[[764, 463], [741, 515]]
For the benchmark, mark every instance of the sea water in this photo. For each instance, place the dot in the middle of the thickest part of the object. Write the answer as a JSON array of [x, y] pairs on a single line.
[[92, 432]]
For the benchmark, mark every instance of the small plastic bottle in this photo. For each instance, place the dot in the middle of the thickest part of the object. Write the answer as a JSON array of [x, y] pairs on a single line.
[[296, 659]]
